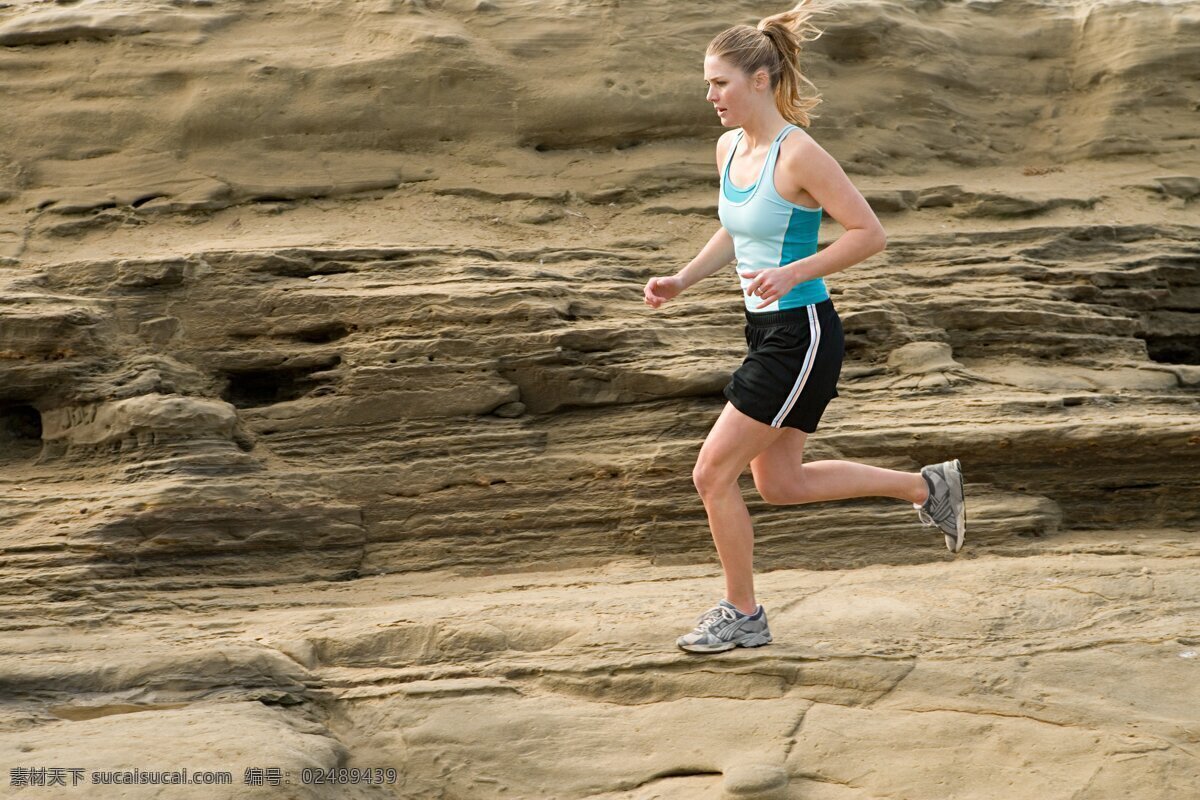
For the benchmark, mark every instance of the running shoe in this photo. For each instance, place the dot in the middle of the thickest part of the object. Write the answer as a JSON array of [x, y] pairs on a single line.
[[945, 507], [723, 627]]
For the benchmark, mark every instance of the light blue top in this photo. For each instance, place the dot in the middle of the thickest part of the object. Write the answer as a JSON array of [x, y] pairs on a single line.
[[769, 231]]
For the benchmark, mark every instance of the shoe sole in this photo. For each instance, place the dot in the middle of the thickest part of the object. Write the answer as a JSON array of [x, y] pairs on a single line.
[[954, 468], [753, 640]]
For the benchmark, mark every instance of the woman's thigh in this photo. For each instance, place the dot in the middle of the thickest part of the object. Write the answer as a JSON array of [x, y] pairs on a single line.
[[779, 464], [734, 440]]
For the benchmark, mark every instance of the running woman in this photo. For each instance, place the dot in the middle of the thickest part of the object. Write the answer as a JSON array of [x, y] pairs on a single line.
[[775, 182]]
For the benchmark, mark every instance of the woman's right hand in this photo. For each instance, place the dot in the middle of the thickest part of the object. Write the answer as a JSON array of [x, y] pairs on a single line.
[[660, 290]]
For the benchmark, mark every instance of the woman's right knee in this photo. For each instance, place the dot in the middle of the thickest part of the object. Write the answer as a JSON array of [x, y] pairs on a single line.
[[780, 490]]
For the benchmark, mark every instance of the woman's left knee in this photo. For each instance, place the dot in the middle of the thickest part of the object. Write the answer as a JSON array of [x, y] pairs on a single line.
[[708, 477]]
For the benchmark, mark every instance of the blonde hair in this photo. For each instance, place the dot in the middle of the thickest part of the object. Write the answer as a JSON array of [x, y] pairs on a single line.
[[775, 45]]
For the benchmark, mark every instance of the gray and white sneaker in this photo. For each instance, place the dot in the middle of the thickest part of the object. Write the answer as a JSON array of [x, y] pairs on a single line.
[[723, 627], [945, 507]]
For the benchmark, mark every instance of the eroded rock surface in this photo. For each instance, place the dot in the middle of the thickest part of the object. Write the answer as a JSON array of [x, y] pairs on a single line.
[[335, 433]]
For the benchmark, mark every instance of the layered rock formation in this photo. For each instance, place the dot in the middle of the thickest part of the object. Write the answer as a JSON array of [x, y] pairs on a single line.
[[335, 432]]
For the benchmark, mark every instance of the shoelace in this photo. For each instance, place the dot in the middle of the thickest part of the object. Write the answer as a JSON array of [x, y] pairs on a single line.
[[930, 522], [925, 516], [705, 620]]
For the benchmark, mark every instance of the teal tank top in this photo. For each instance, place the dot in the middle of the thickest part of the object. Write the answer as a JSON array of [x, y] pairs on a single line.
[[769, 231]]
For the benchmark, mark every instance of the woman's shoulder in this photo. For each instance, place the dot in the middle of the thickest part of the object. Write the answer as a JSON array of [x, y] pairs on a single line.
[[724, 142], [798, 148], [806, 165], [798, 140]]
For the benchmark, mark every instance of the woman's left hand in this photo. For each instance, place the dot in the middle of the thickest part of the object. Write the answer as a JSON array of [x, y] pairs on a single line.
[[770, 284]]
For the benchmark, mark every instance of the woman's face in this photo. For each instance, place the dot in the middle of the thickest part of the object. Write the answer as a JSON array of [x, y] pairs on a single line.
[[732, 93]]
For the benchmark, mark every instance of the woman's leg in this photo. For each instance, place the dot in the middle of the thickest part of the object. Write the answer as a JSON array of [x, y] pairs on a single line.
[[783, 479], [734, 440]]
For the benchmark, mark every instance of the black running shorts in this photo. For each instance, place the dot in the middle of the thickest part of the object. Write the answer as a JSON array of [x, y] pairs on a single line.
[[791, 370]]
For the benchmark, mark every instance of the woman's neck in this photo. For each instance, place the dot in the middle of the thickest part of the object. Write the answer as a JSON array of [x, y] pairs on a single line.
[[761, 131]]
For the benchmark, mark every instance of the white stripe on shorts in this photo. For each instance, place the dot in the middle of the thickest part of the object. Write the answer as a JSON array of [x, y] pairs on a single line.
[[814, 339]]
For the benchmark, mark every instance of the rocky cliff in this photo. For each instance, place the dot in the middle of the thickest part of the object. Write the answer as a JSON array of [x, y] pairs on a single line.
[[335, 433]]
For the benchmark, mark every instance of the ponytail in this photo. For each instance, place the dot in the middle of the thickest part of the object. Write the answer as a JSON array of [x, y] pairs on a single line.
[[776, 45]]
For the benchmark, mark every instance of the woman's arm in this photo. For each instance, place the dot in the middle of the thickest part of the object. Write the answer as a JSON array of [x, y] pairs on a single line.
[[810, 168], [719, 250], [716, 254], [818, 173], [712, 257]]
